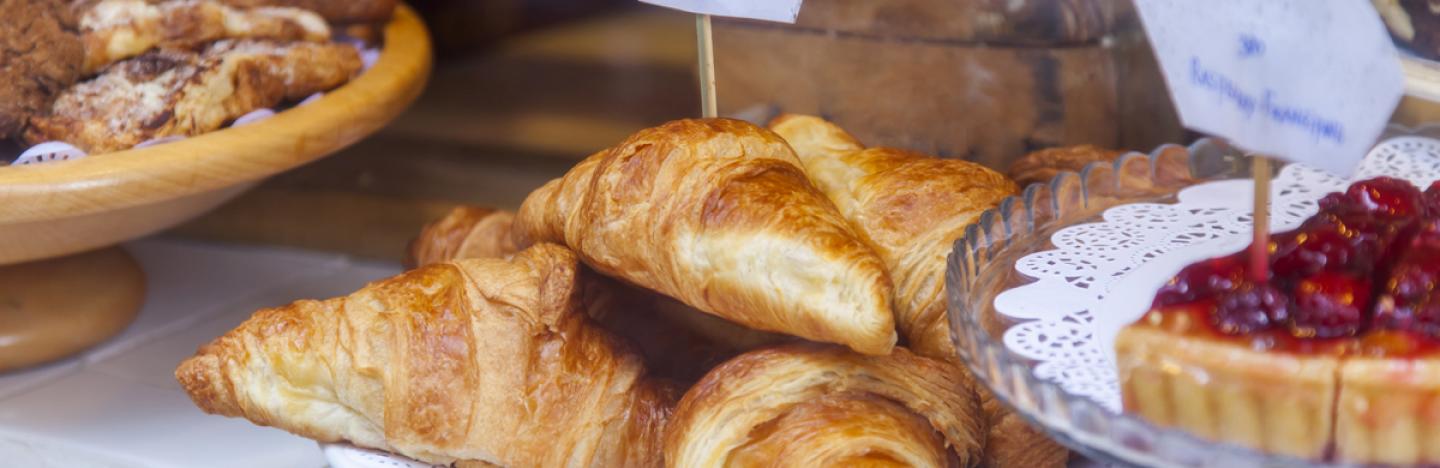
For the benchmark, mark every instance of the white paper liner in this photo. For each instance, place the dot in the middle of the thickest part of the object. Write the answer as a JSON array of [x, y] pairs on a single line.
[[253, 116], [49, 151], [349, 456]]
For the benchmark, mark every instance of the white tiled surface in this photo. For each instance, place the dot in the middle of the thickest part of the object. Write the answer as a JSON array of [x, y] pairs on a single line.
[[119, 404]]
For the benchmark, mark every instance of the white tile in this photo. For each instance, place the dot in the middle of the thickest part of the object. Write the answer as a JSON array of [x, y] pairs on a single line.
[[153, 363], [187, 281], [18, 381], [104, 417]]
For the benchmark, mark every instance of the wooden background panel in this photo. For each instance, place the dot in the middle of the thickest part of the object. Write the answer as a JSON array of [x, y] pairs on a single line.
[[987, 104], [1032, 22]]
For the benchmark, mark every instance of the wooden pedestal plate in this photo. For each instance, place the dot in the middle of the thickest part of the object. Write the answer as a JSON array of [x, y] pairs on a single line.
[[64, 287]]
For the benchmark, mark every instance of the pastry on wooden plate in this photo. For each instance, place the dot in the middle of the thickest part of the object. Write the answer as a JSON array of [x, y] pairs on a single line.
[[114, 30], [40, 55], [1337, 348], [177, 93], [483, 359], [1042, 166], [718, 214], [336, 11], [813, 405]]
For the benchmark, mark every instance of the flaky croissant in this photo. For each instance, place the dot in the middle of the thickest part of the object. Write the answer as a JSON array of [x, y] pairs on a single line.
[[487, 360], [678, 342], [465, 232], [816, 405], [912, 207], [718, 214]]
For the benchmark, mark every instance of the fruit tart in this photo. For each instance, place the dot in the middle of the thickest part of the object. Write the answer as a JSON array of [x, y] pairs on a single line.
[[1334, 354]]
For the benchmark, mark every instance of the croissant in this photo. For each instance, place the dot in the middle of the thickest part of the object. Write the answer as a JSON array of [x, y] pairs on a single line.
[[912, 207], [677, 341], [1043, 165], [484, 360], [466, 232], [816, 405], [718, 214]]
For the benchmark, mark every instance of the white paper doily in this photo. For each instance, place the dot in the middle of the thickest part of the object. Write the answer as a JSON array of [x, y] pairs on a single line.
[[1102, 276], [350, 456]]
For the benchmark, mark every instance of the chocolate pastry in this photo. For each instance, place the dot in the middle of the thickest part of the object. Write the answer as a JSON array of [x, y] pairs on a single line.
[[40, 55]]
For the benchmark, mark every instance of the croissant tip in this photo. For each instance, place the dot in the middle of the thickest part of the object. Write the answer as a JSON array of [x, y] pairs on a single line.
[[200, 377]]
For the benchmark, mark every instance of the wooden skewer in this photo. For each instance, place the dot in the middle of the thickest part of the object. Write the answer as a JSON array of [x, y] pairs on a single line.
[[1260, 248], [706, 47]]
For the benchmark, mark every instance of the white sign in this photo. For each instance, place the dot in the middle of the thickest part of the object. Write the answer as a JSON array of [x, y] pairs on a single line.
[[1310, 81], [783, 11]]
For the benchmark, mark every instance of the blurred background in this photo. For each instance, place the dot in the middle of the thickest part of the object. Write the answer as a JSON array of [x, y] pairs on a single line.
[[522, 89]]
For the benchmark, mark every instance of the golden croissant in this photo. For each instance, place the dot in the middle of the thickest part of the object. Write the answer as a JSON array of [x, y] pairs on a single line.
[[464, 232], [816, 405], [718, 214], [912, 207], [678, 342], [484, 360]]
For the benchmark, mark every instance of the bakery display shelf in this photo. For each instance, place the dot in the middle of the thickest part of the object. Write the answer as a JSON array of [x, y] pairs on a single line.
[[1068, 407]]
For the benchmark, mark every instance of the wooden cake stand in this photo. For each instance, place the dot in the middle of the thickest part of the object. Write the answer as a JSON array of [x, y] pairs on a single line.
[[64, 288]]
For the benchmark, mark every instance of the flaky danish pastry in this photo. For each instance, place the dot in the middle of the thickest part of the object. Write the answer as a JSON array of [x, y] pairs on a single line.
[[487, 359], [178, 93], [113, 30], [718, 214], [912, 207], [817, 405]]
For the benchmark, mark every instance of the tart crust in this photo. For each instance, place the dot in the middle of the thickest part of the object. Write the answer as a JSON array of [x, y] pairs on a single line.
[[1224, 390], [1389, 410]]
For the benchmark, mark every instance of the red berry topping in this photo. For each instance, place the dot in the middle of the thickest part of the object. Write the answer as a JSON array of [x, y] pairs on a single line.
[[1326, 246], [1409, 301], [1387, 195], [1432, 197], [1202, 280], [1329, 305], [1249, 308]]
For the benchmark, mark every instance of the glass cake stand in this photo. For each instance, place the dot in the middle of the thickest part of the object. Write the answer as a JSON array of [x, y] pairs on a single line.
[[1075, 404]]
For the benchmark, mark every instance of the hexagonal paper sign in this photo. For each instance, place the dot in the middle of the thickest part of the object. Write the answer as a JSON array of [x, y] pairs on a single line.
[[783, 11], [1302, 80]]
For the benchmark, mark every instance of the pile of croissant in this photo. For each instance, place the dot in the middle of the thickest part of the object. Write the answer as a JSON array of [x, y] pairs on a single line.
[[705, 293]]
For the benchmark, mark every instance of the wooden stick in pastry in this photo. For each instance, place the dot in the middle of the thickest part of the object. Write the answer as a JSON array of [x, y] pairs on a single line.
[[718, 214], [483, 359], [114, 30], [912, 207], [815, 405]]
